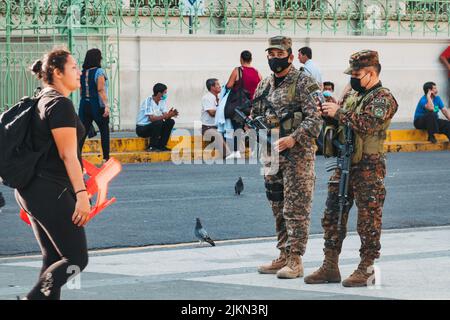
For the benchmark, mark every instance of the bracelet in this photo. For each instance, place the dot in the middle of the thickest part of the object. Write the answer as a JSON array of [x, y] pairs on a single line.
[[80, 191]]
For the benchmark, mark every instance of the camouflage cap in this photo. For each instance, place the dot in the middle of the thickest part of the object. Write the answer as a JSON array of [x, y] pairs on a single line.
[[280, 42], [362, 59]]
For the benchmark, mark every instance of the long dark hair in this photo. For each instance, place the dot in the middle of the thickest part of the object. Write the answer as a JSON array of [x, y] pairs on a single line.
[[55, 59], [93, 59]]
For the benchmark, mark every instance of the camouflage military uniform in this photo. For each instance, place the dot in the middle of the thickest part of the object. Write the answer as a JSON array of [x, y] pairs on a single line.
[[294, 181], [366, 186], [368, 114]]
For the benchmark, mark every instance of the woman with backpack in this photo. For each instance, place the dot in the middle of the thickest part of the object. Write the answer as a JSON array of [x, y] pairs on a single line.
[[244, 79], [56, 199], [94, 98]]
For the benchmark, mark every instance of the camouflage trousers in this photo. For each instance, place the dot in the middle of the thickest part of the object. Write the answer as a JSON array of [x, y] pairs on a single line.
[[294, 185], [366, 189]]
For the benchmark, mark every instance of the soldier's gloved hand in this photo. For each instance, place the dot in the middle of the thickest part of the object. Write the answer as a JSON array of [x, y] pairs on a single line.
[[284, 143], [329, 109]]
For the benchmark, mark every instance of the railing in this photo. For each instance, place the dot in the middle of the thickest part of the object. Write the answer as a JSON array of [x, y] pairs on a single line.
[[334, 17]]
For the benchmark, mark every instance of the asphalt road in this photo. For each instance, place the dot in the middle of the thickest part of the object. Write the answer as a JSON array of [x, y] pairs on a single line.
[[158, 203]]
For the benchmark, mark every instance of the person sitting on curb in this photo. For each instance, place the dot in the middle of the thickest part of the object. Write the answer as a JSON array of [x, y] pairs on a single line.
[[426, 116], [210, 101], [154, 120]]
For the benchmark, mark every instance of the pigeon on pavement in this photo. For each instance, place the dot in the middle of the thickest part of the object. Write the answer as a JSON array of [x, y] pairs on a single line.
[[239, 186], [201, 234]]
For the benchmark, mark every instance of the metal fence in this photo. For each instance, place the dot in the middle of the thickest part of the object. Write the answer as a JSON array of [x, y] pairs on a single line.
[[28, 28], [295, 17]]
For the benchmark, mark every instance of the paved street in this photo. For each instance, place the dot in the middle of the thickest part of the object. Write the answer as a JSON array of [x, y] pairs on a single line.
[[158, 203], [414, 265]]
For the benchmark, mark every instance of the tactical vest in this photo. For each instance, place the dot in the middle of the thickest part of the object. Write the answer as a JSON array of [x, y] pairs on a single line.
[[293, 121], [368, 144]]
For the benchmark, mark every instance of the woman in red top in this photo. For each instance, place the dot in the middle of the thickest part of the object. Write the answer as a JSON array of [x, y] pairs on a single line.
[[250, 76], [250, 80]]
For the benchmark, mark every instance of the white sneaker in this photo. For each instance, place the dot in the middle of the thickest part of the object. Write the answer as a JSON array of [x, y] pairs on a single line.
[[237, 155], [231, 156]]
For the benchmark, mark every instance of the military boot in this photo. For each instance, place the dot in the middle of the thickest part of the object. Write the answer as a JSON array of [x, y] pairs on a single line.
[[293, 268], [361, 277], [275, 265], [328, 272]]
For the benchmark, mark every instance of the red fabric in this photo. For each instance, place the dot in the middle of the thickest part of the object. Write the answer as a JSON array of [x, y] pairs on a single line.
[[251, 79], [446, 55]]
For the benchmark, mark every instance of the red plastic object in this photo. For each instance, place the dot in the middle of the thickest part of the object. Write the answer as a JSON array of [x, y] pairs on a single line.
[[97, 183]]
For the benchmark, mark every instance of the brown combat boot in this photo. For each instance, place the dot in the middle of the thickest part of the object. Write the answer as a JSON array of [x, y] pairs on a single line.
[[275, 265], [328, 272], [293, 268], [360, 277]]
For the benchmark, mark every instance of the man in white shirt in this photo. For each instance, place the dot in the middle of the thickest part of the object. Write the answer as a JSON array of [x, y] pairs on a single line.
[[210, 101], [305, 56], [154, 120]]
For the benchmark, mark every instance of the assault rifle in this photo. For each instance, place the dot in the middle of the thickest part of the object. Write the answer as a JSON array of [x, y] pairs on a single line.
[[259, 124], [344, 161]]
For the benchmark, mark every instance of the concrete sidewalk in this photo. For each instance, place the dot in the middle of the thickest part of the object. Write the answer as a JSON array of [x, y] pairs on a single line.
[[414, 265]]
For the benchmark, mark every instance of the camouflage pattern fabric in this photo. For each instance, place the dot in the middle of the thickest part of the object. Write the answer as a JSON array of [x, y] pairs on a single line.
[[362, 59], [366, 186], [296, 180]]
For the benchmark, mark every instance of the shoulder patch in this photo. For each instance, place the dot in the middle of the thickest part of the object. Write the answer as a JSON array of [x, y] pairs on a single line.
[[312, 88], [378, 112]]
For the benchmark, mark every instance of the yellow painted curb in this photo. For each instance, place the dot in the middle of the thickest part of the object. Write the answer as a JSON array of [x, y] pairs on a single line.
[[411, 135], [132, 150]]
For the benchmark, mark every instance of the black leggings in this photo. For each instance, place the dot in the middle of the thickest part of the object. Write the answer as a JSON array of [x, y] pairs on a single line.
[[103, 127], [50, 207]]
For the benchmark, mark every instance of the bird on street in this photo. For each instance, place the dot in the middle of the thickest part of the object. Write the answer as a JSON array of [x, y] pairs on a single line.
[[201, 234], [239, 186]]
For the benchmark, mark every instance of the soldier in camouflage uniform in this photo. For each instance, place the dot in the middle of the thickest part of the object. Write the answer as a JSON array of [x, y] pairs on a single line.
[[368, 110], [290, 189]]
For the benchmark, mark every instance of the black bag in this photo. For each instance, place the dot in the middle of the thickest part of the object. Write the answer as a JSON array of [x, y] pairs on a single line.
[[18, 159], [237, 97]]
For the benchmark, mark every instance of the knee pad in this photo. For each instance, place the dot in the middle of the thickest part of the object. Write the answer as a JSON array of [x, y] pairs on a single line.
[[274, 191]]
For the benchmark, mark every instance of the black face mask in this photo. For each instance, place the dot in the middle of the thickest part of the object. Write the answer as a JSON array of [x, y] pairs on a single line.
[[277, 65], [356, 84]]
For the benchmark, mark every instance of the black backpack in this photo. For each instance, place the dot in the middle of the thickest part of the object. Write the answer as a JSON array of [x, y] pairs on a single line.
[[18, 159]]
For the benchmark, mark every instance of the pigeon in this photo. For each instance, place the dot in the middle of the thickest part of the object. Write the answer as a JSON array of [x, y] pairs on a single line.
[[201, 234], [239, 186]]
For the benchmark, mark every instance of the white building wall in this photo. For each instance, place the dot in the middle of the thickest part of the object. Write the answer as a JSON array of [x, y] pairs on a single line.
[[184, 63]]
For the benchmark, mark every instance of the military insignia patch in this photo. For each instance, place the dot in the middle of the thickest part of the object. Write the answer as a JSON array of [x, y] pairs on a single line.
[[379, 105], [312, 88], [378, 112]]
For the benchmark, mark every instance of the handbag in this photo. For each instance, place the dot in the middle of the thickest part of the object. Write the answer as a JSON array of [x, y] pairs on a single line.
[[237, 97]]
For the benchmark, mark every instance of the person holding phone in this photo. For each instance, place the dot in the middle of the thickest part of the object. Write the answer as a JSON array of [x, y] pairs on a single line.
[[154, 119], [426, 116]]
